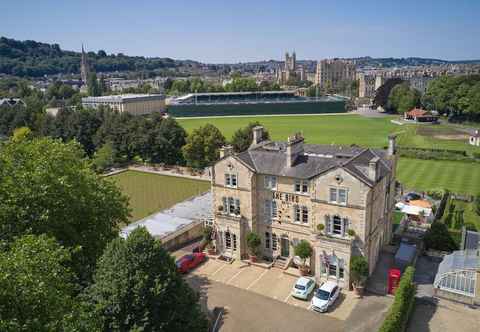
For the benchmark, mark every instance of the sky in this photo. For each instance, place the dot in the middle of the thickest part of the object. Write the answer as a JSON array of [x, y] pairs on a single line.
[[225, 31]]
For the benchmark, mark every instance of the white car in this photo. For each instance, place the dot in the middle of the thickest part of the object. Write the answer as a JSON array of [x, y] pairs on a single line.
[[303, 287], [325, 296]]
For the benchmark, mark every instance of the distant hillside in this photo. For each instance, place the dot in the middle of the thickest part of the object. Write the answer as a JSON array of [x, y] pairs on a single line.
[[34, 59], [402, 62]]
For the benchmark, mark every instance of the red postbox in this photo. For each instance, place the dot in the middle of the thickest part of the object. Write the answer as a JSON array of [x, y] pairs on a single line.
[[393, 280]]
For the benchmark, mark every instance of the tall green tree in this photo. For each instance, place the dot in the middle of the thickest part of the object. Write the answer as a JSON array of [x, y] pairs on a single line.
[[202, 147], [243, 137], [37, 290], [403, 98], [48, 187], [383, 92], [93, 85], [137, 288]]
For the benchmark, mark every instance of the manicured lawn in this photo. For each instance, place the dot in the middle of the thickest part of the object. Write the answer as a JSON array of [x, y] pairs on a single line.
[[323, 129], [459, 177], [343, 129], [150, 193]]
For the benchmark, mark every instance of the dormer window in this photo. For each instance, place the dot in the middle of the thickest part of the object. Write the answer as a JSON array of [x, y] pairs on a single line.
[[231, 180], [301, 186]]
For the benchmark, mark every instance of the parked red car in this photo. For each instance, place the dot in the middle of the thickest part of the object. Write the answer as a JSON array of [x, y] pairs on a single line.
[[190, 261]]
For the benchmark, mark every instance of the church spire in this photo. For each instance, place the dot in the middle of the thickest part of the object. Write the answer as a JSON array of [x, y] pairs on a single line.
[[84, 70]]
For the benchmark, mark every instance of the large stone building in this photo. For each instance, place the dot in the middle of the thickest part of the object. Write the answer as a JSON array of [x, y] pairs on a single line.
[[136, 104], [283, 190], [291, 72], [366, 85], [331, 72]]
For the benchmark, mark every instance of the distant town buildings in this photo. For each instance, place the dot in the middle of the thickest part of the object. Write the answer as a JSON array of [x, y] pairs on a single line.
[[330, 72], [136, 104], [366, 85], [291, 72]]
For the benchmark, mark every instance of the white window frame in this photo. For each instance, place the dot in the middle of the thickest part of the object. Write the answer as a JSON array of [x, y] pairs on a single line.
[[337, 218], [274, 242], [229, 203], [270, 210], [304, 212], [346, 196], [228, 240], [229, 179], [335, 191], [301, 187], [297, 214], [270, 182]]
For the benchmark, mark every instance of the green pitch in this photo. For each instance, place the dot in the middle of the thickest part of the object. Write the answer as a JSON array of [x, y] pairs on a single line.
[[459, 177], [372, 132], [150, 193], [323, 129]]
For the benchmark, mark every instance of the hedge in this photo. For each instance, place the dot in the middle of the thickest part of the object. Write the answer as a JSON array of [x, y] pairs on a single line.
[[399, 312]]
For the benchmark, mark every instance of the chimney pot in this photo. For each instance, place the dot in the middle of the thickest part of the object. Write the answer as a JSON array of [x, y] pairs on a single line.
[[257, 134], [225, 151]]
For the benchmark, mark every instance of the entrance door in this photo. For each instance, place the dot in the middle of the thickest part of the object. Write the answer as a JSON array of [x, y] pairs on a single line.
[[285, 244]]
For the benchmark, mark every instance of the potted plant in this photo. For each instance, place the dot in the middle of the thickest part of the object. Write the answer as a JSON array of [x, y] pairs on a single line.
[[320, 227], [207, 240], [253, 243], [304, 250], [351, 232], [358, 273]]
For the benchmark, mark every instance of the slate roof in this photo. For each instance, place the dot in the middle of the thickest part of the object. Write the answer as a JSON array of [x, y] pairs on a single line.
[[271, 158]]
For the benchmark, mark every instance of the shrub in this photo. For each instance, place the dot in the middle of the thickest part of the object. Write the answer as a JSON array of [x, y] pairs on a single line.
[[351, 232], [438, 238], [320, 227], [399, 312], [303, 250], [253, 242], [358, 269]]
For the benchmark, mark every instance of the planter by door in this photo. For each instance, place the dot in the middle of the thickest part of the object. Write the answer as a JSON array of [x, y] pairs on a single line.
[[285, 247]]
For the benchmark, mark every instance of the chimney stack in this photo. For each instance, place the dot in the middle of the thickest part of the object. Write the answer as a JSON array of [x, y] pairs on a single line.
[[294, 148], [257, 135], [392, 148], [225, 151], [373, 168]]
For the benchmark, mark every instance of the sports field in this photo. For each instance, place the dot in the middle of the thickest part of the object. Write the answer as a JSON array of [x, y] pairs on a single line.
[[349, 129], [150, 193], [322, 129], [459, 177], [344, 129]]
